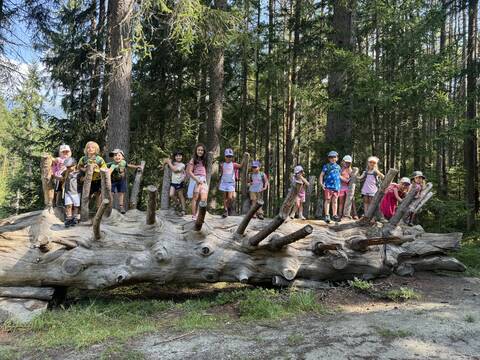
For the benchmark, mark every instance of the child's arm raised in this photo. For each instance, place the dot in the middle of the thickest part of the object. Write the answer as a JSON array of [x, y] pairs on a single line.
[[361, 177], [266, 183], [304, 181], [379, 174], [171, 166], [133, 166]]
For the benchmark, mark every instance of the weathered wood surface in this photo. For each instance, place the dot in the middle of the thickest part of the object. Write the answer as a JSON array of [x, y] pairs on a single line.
[[377, 199], [171, 251], [47, 181], [309, 196], [165, 195], [98, 218], [27, 292], [152, 204], [349, 199], [136, 186], [87, 182], [107, 189]]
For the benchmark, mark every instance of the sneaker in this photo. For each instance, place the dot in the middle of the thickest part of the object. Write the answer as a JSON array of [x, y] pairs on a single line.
[[260, 216], [194, 217], [225, 214], [336, 218], [122, 211], [327, 219], [182, 213], [302, 217], [68, 223], [73, 222]]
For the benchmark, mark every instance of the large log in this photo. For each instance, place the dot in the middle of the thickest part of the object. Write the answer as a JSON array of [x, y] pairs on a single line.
[[174, 252]]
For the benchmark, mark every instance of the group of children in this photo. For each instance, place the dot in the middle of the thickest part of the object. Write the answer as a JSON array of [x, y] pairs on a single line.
[[69, 177], [334, 180], [196, 171]]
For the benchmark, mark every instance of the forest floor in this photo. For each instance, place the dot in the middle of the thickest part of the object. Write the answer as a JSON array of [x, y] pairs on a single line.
[[425, 316]]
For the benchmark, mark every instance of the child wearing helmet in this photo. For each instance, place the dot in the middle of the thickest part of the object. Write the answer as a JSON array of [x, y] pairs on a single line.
[[298, 178], [394, 195], [345, 177], [257, 184], [175, 163], [227, 180], [329, 180], [58, 168], [71, 181]]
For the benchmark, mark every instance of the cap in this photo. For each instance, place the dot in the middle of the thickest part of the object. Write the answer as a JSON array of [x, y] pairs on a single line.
[[332, 154], [255, 163], [405, 180], [297, 169], [228, 152], [374, 159], [417, 173], [347, 158], [64, 147], [116, 151], [70, 162]]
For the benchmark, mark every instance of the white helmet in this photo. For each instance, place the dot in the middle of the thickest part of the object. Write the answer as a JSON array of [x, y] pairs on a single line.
[[405, 180], [297, 169], [64, 147], [347, 158]]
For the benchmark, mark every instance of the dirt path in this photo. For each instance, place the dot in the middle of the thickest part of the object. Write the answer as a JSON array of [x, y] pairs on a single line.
[[443, 324]]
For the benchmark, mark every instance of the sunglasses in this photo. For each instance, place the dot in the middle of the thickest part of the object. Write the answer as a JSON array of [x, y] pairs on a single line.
[[229, 156]]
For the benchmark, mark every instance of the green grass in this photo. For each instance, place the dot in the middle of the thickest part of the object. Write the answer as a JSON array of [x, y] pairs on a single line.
[[402, 294], [469, 254], [393, 334], [8, 353], [361, 285], [114, 322]]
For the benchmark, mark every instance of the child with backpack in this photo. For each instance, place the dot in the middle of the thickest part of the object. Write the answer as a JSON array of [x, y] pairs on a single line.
[[298, 178], [329, 180], [92, 156], [393, 195], [371, 177], [178, 177], [197, 171], [118, 173], [71, 180], [227, 180], [257, 184], [58, 168]]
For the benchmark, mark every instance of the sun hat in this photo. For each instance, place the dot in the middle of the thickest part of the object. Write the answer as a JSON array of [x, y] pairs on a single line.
[[417, 173], [64, 147], [405, 180], [255, 164], [228, 152], [374, 159], [70, 162], [347, 158], [297, 169], [332, 154], [115, 152]]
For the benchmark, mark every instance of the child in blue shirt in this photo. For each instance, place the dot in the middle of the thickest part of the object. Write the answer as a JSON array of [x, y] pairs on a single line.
[[330, 182]]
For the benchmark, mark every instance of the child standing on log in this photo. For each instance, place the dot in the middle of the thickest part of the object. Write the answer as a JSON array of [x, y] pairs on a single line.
[[329, 180], [418, 180], [178, 178], [394, 194], [228, 170], [58, 168], [371, 175], [257, 184], [345, 177], [92, 156], [118, 168], [197, 171], [71, 180], [298, 178]]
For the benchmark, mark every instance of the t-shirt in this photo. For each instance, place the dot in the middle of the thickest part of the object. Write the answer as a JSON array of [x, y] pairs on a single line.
[[331, 177], [199, 168], [71, 182], [118, 170], [178, 176], [57, 167], [94, 160]]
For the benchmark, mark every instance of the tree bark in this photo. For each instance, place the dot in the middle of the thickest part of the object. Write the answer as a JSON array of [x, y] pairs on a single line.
[[87, 182], [119, 88], [165, 200], [173, 252], [136, 186]]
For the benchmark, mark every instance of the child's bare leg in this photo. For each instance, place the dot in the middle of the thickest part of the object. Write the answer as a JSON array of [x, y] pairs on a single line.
[[194, 204], [366, 203], [182, 199], [300, 210], [75, 212], [225, 201], [341, 205], [68, 211], [334, 206], [326, 207]]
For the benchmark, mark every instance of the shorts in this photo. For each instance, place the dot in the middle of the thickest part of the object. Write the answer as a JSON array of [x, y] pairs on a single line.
[[301, 197], [96, 186], [343, 192], [227, 187], [177, 186], [368, 195], [254, 196], [72, 199], [194, 188], [329, 194], [119, 186]]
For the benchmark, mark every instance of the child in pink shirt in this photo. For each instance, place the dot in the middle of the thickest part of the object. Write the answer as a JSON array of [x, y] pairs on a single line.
[[197, 171]]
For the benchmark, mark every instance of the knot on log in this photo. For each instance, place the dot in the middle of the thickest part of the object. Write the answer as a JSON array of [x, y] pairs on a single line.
[[206, 250], [160, 252], [244, 275], [339, 259], [321, 248], [210, 275], [72, 267]]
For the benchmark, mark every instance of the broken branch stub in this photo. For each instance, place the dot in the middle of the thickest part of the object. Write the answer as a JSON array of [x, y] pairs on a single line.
[[87, 183], [277, 242], [152, 204], [136, 186], [248, 216], [97, 219], [202, 211]]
